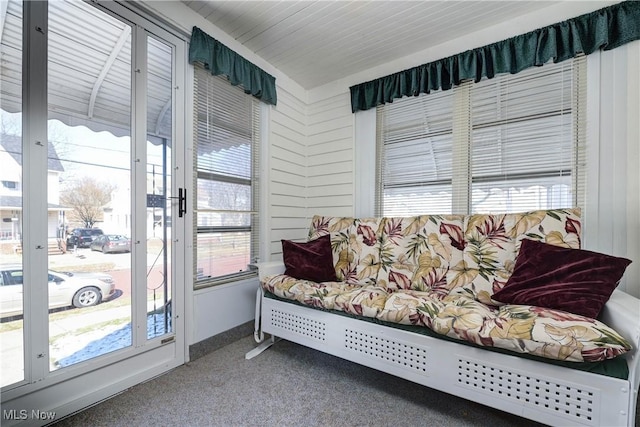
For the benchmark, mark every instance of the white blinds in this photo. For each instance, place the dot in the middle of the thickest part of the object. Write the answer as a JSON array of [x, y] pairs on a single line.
[[524, 142], [226, 158], [415, 137], [512, 143], [223, 127]]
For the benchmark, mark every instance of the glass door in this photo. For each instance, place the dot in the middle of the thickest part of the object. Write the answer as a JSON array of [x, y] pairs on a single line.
[[89, 187], [12, 337], [159, 196], [97, 199]]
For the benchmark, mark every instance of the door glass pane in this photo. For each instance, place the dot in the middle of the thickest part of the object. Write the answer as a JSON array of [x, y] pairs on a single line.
[[159, 144], [89, 183], [11, 303]]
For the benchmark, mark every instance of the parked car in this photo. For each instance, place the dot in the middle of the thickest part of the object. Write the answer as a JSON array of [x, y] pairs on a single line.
[[109, 243], [65, 289], [82, 237]]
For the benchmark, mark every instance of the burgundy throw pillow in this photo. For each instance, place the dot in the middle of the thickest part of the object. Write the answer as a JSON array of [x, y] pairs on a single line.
[[312, 260], [573, 280]]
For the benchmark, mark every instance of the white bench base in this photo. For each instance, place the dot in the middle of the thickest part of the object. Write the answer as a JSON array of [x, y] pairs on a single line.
[[542, 392]]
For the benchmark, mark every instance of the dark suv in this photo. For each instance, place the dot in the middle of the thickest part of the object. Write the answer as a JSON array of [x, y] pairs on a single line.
[[82, 237]]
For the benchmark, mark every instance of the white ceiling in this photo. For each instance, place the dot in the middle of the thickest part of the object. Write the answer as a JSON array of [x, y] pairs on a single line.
[[315, 42]]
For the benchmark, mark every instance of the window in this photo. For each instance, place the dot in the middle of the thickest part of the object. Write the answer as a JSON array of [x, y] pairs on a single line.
[[226, 150], [508, 144], [15, 277], [10, 184]]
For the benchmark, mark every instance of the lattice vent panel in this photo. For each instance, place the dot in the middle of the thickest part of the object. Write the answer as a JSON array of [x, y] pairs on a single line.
[[560, 399], [391, 351], [299, 325]]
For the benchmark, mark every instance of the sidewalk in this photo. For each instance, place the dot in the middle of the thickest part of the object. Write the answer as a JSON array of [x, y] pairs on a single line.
[[84, 260]]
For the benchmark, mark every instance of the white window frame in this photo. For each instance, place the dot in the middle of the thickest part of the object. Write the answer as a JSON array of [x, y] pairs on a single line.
[[256, 227]]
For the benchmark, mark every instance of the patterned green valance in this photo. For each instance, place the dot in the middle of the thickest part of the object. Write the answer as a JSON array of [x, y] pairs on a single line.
[[606, 29], [219, 59]]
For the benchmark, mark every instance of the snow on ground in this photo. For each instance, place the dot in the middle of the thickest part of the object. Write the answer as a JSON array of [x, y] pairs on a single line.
[[74, 348]]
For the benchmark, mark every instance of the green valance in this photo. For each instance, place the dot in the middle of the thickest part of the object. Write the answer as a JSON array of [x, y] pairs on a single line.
[[606, 29], [219, 59]]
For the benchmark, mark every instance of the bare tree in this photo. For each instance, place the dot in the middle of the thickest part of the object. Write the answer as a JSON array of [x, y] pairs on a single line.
[[10, 124], [58, 134], [87, 197]]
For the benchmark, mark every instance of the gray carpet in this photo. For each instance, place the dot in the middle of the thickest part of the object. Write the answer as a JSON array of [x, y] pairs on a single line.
[[288, 385]]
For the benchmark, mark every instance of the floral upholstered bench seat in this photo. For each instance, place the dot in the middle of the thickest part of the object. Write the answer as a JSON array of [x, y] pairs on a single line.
[[518, 282], [506, 310], [544, 332]]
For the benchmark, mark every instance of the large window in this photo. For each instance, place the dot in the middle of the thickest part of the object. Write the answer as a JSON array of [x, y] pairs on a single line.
[[227, 124], [508, 144]]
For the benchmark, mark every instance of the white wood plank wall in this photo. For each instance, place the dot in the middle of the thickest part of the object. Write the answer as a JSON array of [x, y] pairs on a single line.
[[287, 171], [612, 217], [310, 165], [330, 189]]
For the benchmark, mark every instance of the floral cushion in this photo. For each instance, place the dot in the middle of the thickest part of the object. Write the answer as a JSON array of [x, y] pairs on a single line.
[[337, 228], [553, 334], [355, 244], [491, 243], [417, 252], [548, 333], [403, 307], [322, 225], [306, 292], [365, 301]]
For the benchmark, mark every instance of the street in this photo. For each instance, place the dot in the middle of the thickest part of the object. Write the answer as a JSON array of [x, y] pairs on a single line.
[[102, 328]]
